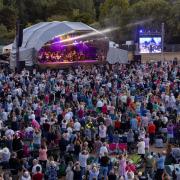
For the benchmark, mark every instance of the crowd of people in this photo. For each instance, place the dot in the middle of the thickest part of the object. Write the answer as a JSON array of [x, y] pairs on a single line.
[[90, 123]]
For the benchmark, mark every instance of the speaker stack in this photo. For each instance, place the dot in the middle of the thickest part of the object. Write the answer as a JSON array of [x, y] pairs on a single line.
[[19, 41]]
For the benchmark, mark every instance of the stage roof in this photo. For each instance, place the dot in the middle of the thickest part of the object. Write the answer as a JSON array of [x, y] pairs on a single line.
[[37, 35]]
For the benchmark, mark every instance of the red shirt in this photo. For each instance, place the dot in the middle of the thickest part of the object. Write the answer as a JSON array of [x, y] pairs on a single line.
[[104, 109], [117, 124], [37, 176], [151, 129]]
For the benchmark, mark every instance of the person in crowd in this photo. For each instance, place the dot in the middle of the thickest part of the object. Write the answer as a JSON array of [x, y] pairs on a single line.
[[130, 140], [152, 132], [51, 170], [77, 171], [104, 163], [160, 161], [43, 156], [26, 176], [5, 156], [69, 171], [94, 172], [122, 166], [141, 148], [38, 175], [35, 165], [83, 156]]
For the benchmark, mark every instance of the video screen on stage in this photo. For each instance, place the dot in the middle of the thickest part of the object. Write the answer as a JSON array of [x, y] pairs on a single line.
[[150, 44]]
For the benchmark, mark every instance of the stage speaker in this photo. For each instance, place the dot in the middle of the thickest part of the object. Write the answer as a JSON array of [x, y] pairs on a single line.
[[137, 58], [21, 65], [19, 33]]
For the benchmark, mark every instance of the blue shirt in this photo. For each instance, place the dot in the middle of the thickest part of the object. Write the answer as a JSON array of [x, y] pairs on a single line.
[[160, 162], [134, 124]]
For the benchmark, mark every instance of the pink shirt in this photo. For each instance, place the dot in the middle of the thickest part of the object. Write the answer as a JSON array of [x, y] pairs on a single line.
[[35, 124], [43, 154]]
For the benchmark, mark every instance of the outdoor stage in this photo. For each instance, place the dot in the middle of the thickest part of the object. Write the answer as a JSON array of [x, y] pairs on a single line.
[[58, 65]]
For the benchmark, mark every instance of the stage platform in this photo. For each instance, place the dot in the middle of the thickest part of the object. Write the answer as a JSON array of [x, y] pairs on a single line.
[[56, 65]]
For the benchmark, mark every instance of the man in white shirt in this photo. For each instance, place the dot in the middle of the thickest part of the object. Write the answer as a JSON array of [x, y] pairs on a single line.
[[141, 147], [99, 104], [77, 126], [83, 156], [35, 164], [102, 131], [68, 116], [103, 149]]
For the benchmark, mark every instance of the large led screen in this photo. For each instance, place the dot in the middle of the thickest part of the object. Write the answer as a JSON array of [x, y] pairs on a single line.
[[150, 44]]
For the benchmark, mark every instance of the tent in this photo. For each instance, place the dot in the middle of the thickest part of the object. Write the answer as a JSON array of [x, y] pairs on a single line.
[[116, 55], [36, 36]]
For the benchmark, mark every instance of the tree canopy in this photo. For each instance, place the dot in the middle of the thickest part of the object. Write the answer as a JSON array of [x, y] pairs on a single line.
[[124, 14]]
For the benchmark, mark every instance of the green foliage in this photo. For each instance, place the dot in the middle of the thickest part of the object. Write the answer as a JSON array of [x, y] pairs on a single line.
[[5, 35], [124, 14], [83, 17], [130, 14], [8, 18], [109, 5], [58, 18], [1, 4]]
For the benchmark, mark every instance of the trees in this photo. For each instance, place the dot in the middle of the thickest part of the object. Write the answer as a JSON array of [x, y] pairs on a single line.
[[8, 18], [125, 14], [113, 13], [146, 13]]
